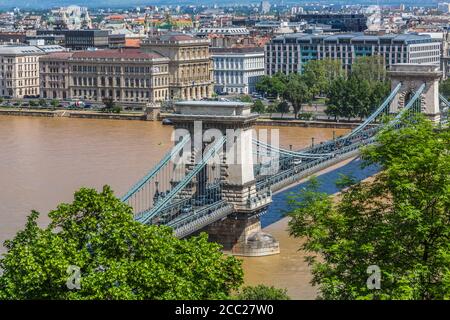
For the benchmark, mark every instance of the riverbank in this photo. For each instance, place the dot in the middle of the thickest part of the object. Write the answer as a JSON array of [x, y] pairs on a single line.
[[72, 114], [88, 114]]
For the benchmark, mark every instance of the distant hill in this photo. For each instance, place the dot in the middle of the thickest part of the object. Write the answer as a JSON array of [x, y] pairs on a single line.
[[42, 4]]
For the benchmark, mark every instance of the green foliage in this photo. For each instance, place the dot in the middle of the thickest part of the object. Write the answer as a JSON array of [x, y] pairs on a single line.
[[355, 97], [283, 107], [119, 257], [259, 107], [262, 292], [370, 68], [272, 86], [297, 92], [33, 103], [271, 108], [318, 74], [444, 88], [306, 116], [54, 103], [345, 181], [400, 221], [42, 102], [246, 98]]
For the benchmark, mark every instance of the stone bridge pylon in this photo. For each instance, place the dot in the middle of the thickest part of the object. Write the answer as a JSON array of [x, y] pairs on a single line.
[[240, 232], [411, 76]]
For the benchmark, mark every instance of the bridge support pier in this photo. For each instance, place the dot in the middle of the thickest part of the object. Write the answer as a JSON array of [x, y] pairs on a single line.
[[241, 235], [240, 232]]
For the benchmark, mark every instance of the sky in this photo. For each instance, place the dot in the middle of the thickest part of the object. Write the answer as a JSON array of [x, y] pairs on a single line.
[[41, 4]]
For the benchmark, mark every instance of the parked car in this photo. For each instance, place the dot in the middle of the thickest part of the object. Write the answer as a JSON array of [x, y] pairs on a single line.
[[167, 121]]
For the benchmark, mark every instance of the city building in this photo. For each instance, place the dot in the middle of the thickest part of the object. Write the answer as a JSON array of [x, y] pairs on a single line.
[[19, 71], [343, 22], [190, 66], [289, 53], [236, 70], [72, 17], [128, 76], [12, 37], [265, 7], [443, 7], [54, 77], [81, 39], [228, 37]]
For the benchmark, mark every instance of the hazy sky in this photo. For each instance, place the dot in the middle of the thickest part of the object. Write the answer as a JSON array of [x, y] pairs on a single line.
[[128, 3]]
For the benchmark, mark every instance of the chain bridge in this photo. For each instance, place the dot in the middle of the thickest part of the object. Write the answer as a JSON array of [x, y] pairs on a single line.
[[219, 176]]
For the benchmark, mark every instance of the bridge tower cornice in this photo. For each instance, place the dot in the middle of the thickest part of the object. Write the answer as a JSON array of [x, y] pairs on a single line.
[[411, 76]]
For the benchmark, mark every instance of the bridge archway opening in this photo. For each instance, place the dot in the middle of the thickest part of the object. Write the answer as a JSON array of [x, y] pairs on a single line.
[[411, 76]]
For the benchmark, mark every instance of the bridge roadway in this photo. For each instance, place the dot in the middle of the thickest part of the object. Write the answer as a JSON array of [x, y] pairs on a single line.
[[192, 222]]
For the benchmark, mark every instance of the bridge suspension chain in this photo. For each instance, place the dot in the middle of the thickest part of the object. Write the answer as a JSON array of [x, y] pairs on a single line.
[[146, 216], [164, 161]]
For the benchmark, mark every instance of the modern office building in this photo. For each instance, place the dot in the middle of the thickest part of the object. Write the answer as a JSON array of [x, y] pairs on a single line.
[[81, 39], [236, 70], [190, 66], [289, 53], [19, 71], [342, 22]]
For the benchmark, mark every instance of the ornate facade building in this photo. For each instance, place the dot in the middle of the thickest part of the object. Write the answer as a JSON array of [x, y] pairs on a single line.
[[190, 64], [172, 66], [128, 76], [54, 75]]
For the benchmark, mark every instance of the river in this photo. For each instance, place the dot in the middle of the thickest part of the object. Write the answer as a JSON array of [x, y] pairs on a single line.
[[44, 160]]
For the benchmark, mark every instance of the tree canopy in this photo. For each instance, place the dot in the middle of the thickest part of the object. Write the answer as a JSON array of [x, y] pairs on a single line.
[[359, 94], [399, 221], [262, 292], [118, 257]]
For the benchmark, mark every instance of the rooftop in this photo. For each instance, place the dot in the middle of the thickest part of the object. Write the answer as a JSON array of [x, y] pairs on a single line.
[[355, 37], [20, 50], [116, 54]]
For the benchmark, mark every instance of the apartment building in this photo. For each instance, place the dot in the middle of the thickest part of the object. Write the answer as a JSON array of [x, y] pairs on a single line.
[[19, 71], [237, 70], [288, 53], [190, 64]]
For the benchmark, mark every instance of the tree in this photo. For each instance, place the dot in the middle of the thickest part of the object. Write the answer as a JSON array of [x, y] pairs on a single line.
[[118, 257], [283, 107], [109, 104], [399, 222], [258, 107], [246, 98], [318, 74], [271, 108], [272, 86], [337, 102], [358, 98], [262, 292], [54, 103], [370, 68], [444, 88], [297, 92]]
